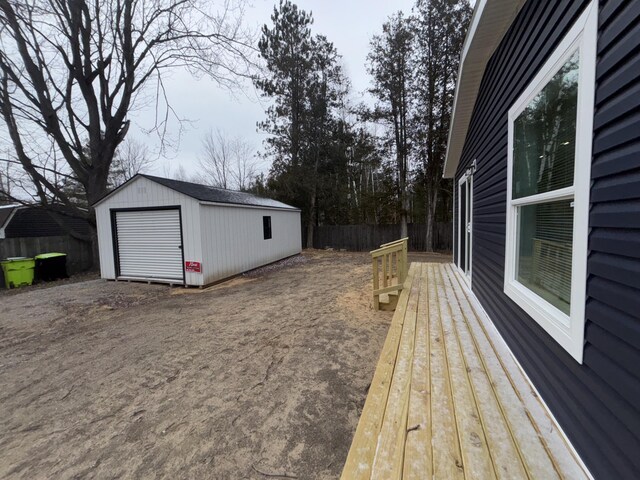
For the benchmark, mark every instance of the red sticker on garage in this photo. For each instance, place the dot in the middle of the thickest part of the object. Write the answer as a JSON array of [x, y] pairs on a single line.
[[195, 267]]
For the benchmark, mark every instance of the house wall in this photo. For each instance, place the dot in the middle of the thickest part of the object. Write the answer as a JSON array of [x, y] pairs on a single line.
[[233, 240], [141, 193], [596, 403]]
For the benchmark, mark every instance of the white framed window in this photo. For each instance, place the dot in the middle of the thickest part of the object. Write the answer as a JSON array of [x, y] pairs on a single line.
[[549, 165]]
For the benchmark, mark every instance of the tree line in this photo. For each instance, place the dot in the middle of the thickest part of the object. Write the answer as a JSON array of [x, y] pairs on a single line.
[[343, 163], [73, 71]]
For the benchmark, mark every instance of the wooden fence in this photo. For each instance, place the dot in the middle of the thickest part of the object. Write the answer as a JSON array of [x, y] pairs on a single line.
[[79, 256], [364, 238]]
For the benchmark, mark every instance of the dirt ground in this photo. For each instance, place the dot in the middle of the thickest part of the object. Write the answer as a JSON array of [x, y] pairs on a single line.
[[260, 377]]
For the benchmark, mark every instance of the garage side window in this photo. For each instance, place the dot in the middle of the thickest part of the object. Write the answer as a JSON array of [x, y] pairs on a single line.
[[266, 227], [550, 130]]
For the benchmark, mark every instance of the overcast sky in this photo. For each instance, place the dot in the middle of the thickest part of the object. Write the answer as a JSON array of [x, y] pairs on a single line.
[[349, 24]]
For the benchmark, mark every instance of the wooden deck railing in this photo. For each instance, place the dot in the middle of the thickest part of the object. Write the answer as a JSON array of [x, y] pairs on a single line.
[[389, 264]]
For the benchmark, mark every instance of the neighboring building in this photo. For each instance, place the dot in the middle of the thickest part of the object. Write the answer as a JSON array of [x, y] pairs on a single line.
[[544, 150], [162, 230], [6, 212], [20, 221]]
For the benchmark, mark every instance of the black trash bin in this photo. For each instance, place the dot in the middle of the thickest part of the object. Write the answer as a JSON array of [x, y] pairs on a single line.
[[51, 266]]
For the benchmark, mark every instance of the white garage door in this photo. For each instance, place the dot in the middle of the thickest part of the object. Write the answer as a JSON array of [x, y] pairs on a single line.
[[150, 244]]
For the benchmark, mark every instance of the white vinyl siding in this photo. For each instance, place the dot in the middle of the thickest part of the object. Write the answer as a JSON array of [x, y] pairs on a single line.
[[143, 193], [224, 239], [149, 244], [233, 239], [549, 162]]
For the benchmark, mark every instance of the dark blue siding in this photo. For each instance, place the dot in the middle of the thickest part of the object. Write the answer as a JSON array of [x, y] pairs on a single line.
[[597, 403]]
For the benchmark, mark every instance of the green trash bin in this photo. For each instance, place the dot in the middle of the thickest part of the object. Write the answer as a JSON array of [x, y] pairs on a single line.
[[18, 271]]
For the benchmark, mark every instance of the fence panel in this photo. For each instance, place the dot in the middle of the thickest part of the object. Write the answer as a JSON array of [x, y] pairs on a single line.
[[361, 238], [79, 256]]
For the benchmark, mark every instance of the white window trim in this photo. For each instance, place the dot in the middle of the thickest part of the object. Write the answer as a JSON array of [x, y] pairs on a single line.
[[567, 330], [467, 177]]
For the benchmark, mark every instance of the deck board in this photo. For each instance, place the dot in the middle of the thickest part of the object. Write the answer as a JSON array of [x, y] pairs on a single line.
[[476, 458], [448, 400], [505, 455], [447, 458], [536, 458], [418, 456], [390, 451], [361, 455]]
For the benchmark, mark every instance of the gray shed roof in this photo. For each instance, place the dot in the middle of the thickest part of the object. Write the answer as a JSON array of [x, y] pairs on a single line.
[[205, 193]]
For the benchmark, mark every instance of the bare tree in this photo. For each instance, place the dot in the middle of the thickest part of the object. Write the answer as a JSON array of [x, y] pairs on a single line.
[[132, 157], [181, 174], [72, 70], [216, 159], [6, 182], [245, 170], [227, 162]]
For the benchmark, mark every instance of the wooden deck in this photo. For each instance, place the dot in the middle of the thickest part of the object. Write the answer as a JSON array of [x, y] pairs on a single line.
[[448, 401]]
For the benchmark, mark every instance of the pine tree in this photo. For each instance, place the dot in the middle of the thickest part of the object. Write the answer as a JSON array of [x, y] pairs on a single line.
[[440, 27], [305, 83], [390, 68]]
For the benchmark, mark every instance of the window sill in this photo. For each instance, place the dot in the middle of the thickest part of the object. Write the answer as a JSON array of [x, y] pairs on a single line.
[[555, 322]]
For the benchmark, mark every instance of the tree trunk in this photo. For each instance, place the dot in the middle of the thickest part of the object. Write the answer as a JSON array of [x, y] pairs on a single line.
[[402, 192], [432, 198], [311, 222], [404, 229], [95, 252], [310, 228]]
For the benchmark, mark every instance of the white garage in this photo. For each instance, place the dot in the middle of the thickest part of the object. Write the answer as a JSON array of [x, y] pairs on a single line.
[[162, 230]]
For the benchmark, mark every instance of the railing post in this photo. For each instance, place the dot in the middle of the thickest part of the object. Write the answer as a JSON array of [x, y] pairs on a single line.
[[405, 262], [376, 284], [395, 264], [390, 271], [397, 258], [384, 271]]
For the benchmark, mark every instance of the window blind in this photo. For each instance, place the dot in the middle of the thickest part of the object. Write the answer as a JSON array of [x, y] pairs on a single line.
[[545, 251]]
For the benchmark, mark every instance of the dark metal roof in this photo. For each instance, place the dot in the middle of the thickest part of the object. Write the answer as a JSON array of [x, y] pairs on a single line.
[[5, 213], [206, 193], [38, 222]]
